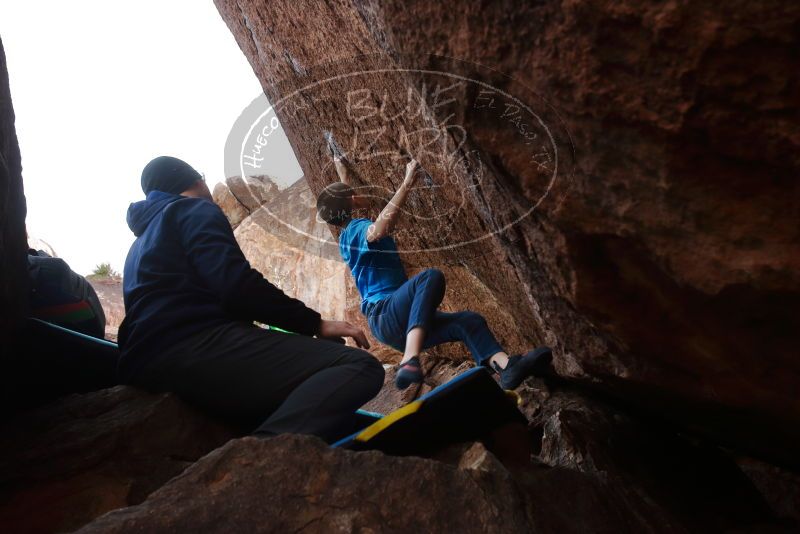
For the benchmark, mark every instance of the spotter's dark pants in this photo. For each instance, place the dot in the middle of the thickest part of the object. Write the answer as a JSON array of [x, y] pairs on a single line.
[[278, 383]]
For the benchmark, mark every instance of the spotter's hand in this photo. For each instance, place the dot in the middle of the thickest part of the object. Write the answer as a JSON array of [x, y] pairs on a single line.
[[339, 329]]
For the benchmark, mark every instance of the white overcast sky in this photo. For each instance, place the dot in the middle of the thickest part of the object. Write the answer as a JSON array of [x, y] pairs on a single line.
[[101, 87]]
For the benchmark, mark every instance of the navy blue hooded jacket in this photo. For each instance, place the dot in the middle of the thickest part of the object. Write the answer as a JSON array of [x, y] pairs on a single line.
[[185, 273]]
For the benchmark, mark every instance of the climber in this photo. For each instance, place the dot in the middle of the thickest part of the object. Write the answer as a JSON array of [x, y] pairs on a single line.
[[190, 300], [403, 312]]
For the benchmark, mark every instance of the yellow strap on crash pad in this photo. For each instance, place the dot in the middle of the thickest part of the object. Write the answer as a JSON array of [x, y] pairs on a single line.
[[378, 426], [513, 396]]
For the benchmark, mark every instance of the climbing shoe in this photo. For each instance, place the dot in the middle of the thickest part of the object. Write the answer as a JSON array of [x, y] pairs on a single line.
[[408, 373], [534, 363]]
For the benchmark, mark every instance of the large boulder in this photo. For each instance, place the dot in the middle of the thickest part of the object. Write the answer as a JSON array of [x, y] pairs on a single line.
[[13, 246], [282, 239], [293, 483], [65, 463], [645, 466], [109, 292], [252, 191], [645, 226], [333, 490], [234, 210], [660, 262], [240, 196]]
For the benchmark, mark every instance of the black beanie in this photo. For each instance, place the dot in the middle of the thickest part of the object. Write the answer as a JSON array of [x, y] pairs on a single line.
[[168, 174]]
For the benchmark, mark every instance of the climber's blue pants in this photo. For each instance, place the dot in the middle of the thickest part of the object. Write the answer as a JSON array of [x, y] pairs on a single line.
[[415, 304]]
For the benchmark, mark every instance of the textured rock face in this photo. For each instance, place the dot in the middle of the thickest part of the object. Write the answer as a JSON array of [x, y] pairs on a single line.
[[780, 488], [328, 491], [282, 239], [234, 210], [109, 291], [70, 461], [13, 261], [647, 467], [239, 197], [663, 263]]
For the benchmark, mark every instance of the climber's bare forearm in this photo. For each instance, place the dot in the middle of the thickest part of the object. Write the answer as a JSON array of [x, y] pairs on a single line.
[[386, 221]]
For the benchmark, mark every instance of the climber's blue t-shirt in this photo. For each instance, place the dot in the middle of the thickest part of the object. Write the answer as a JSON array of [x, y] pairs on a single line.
[[376, 266]]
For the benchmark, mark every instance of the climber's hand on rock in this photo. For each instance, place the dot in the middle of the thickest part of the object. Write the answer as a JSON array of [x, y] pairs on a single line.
[[411, 172], [338, 329], [341, 169]]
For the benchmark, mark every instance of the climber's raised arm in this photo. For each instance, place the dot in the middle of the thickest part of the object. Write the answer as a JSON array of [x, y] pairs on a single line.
[[342, 170], [387, 219]]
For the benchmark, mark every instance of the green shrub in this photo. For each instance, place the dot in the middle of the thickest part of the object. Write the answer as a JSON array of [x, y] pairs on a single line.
[[104, 269]]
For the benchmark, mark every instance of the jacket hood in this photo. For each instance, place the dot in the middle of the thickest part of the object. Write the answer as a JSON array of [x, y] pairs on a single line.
[[141, 213]]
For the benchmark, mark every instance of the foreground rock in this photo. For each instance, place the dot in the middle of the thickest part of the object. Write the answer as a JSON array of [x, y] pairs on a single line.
[[669, 481], [597, 468], [64, 464], [647, 466], [293, 483], [234, 210], [780, 488], [663, 262]]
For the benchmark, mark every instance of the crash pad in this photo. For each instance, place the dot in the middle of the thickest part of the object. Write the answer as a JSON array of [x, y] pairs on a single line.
[[466, 408]]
